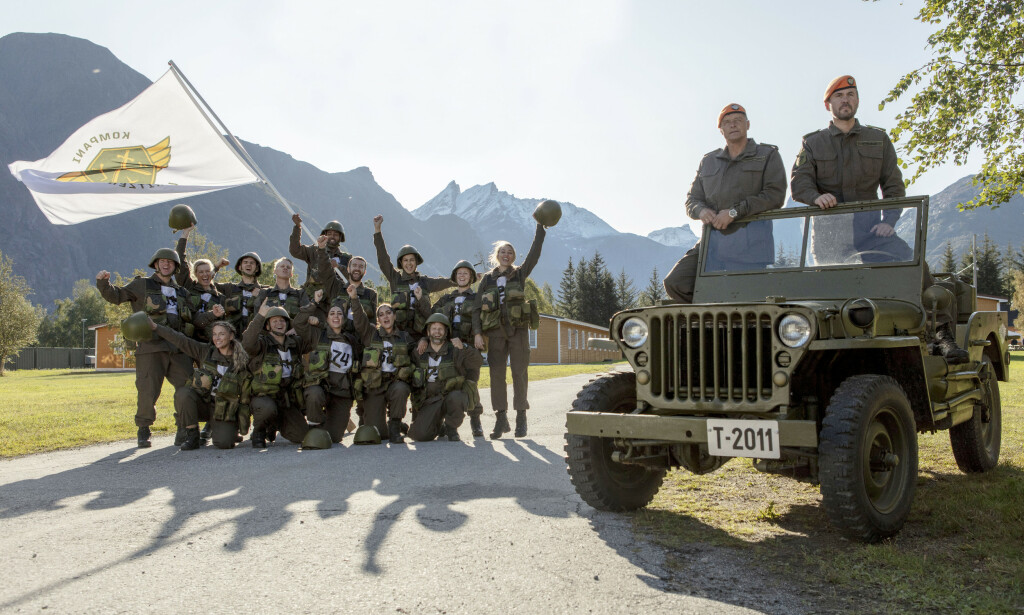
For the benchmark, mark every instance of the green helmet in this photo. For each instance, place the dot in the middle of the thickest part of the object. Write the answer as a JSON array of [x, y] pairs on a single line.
[[441, 318], [255, 257], [464, 265], [334, 225], [167, 253], [278, 311], [317, 438], [407, 249], [548, 213], [136, 328], [366, 434], [181, 217]]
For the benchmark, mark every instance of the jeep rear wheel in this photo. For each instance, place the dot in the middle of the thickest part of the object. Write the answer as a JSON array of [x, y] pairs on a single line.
[[601, 482], [976, 442], [868, 457]]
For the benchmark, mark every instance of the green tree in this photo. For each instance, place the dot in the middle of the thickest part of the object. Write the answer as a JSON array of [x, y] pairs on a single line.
[[654, 292], [567, 305], [625, 292], [549, 296], [534, 292], [989, 267], [199, 246], [115, 315], [969, 101], [948, 263], [19, 319], [63, 327]]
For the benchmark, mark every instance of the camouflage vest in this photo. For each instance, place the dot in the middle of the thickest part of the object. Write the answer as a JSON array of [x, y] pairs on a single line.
[[156, 307], [269, 378], [407, 318], [290, 303], [521, 313], [447, 306], [372, 375], [337, 355]]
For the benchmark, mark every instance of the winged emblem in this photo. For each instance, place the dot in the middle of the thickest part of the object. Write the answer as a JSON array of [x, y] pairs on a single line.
[[125, 165]]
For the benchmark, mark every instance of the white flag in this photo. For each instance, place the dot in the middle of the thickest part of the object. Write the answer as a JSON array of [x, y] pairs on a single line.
[[158, 147]]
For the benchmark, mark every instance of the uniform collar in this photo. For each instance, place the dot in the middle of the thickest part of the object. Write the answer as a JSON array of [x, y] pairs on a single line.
[[439, 353], [834, 130], [172, 283], [747, 152]]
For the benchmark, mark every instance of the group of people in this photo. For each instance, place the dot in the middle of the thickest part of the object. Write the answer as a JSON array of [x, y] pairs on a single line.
[[845, 162], [294, 361]]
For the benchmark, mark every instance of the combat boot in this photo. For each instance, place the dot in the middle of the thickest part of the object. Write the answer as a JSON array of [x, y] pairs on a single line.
[[520, 423], [258, 438], [945, 345], [395, 432], [501, 425], [476, 426], [192, 439], [452, 433], [179, 436], [204, 435], [271, 436], [143, 437]]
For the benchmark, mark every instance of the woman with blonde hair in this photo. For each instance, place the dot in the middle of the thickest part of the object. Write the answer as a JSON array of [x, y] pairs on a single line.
[[505, 319]]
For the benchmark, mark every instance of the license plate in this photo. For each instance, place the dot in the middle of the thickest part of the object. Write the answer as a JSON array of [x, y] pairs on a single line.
[[739, 438]]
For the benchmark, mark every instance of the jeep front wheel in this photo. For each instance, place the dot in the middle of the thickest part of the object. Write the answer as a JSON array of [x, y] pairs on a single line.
[[601, 482], [868, 457], [976, 442]]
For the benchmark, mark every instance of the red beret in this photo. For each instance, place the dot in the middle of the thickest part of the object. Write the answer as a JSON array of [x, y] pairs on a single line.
[[730, 108], [839, 83]]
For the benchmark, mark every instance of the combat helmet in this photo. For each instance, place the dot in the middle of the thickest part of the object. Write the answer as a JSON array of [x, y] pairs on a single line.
[[255, 257], [181, 217], [548, 213], [407, 249], [167, 253], [317, 438], [464, 265], [334, 225], [366, 434], [136, 328], [438, 317], [277, 311]]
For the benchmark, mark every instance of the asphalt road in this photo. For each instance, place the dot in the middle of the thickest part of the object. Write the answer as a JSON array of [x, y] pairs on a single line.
[[480, 526]]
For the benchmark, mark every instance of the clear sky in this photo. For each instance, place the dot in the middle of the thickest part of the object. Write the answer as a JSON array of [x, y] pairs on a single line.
[[606, 104]]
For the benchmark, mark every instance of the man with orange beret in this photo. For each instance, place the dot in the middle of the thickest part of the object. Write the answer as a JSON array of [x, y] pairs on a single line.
[[849, 161], [734, 182]]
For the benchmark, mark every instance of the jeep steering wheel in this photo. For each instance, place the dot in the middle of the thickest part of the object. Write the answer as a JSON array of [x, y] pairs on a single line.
[[853, 258]]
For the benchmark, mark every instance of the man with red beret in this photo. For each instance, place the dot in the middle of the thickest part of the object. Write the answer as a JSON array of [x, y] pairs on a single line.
[[849, 161], [734, 182]]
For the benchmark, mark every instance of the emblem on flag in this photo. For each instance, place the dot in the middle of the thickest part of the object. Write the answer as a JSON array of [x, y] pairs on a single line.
[[124, 165]]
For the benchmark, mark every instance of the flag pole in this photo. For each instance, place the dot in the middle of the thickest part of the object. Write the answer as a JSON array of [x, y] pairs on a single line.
[[190, 90]]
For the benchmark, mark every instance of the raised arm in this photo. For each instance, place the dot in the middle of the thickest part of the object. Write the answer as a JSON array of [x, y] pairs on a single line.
[[534, 254]]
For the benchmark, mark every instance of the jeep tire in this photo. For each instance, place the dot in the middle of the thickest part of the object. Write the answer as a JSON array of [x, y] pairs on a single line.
[[976, 442], [868, 457], [601, 482]]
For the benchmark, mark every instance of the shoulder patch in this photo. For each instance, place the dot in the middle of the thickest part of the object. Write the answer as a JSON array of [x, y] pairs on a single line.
[[811, 134]]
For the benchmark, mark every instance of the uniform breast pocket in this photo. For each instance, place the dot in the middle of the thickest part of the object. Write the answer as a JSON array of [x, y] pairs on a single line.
[[870, 160], [752, 173], [826, 167]]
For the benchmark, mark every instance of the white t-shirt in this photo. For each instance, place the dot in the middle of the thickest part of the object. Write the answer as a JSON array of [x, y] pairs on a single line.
[[457, 318], [221, 370], [387, 363], [286, 359], [501, 288], [247, 295], [432, 368], [171, 296], [412, 295]]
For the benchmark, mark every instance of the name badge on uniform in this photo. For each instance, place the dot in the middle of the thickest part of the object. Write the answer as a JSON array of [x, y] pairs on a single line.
[[341, 357], [386, 362], [286, 360], [171, 294], [432, 366]]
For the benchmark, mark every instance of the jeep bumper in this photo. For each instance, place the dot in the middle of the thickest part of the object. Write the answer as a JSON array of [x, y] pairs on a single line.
[[689, 430]]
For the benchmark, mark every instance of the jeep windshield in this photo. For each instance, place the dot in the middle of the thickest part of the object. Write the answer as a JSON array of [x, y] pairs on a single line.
[[868, 248]]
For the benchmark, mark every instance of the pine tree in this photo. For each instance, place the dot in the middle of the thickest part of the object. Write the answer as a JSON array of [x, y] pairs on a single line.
[[989, 268], [625, 293], [654, 292], [567, 306], [948, 263]]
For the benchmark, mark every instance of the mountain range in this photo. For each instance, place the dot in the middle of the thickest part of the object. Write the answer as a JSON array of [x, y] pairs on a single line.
[[83, 80]]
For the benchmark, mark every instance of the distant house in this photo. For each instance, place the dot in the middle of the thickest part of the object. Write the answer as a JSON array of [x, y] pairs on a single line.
[[106, 358], [562, 340]]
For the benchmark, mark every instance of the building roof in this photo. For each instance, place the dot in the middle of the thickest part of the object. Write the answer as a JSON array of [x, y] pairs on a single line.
[[573, 322]]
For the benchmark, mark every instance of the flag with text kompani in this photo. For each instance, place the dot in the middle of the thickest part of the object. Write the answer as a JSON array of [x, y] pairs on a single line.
[[158, 147]]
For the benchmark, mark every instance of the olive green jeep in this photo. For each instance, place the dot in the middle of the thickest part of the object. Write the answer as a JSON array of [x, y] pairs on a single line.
[[821, 365]]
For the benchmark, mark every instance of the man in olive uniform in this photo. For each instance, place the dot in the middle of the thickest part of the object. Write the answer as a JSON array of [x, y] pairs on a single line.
[[282, 293], [335, 234], [441, 404], [167, 304], [336, 291], [410, 290], [275, 361], [736, 181], [240, 298], [846, 162], [460, 308]]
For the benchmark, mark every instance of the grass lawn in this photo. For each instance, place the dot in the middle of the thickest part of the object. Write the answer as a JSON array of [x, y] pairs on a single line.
[[961, 550], [45, 410]]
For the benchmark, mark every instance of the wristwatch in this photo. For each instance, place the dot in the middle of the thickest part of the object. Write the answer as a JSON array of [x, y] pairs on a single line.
[[733, 213]]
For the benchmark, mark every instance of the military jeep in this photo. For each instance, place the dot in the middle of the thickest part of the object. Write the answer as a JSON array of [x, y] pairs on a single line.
[[820, 365]]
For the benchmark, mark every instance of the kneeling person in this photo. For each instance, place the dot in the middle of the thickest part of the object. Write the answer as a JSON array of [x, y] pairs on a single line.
[[441, 400], [385, 371], [217, 392]]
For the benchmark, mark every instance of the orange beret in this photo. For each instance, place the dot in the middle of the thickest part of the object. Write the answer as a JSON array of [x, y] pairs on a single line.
[[839, 83], [730, 108]]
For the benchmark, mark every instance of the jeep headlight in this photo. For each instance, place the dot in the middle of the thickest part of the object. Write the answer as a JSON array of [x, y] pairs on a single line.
[[794, 330], [634, 332]]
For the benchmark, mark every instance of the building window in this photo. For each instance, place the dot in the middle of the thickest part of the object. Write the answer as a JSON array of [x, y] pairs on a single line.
[[533, 338]]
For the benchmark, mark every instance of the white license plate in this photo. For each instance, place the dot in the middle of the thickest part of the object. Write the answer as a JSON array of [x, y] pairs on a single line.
[[739, 438]]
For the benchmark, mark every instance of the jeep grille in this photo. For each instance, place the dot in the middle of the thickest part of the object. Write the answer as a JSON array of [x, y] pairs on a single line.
[[712, 356]]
